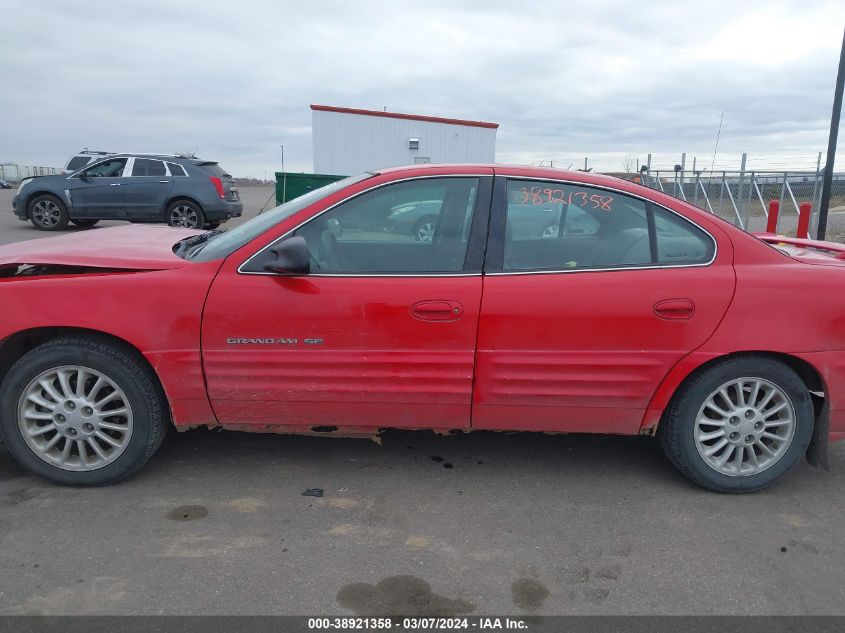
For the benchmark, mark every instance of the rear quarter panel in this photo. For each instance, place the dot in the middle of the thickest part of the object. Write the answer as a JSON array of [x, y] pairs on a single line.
[[782, 306]]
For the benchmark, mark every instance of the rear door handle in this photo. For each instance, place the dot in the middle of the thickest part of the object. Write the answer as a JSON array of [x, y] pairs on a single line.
[[437, 310], [674, 309], [165, 181], [114, 184]]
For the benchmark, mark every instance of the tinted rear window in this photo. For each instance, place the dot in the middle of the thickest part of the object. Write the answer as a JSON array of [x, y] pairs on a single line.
[[146, 167], [214, 169], [78, 162], [176, 170]]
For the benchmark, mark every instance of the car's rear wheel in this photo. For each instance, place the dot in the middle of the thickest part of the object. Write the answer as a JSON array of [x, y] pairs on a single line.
[[84, 223], [186, 214], [738, 425], [48, 213], [81, 412]]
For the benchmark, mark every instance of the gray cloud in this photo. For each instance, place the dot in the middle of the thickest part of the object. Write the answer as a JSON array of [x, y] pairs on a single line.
[[601, 79]]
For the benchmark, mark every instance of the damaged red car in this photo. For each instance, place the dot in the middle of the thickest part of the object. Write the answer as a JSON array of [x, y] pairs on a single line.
[[469, 297]]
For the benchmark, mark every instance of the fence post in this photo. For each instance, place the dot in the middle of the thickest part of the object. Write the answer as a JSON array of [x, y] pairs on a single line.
[[697, 182], [772, 222]]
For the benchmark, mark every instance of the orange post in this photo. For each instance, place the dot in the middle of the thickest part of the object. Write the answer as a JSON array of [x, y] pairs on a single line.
[[772, 224], [804, 220]]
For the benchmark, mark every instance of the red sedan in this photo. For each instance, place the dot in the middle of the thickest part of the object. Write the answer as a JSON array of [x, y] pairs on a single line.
[[540, 300]]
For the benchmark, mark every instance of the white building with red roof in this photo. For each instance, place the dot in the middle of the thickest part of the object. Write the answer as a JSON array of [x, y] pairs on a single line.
[[349, 141]]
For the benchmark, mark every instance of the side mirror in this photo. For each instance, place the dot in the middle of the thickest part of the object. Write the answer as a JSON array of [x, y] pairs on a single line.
[[85, 177], [292, 257]]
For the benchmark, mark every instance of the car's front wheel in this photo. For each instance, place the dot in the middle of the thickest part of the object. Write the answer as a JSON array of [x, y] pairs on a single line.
[[738, 425], [186, 214], [48, 213], [81, 412]]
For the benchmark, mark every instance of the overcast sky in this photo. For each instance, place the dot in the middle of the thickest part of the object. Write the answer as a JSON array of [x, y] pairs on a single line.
[[565, 80]]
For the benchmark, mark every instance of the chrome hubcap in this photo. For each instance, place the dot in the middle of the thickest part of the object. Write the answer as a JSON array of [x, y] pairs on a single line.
[[426, 232], [744, 427], [184, 216], [75, 418], [46, 213]]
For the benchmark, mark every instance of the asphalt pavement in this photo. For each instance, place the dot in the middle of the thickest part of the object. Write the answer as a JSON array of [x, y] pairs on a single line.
[[480, 523]]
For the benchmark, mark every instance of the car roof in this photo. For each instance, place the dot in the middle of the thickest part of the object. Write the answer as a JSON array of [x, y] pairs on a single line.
[[167, 157], [500, 169]]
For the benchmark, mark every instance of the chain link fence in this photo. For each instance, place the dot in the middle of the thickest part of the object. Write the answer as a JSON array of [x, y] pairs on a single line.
[[12, 172], [742, 198]]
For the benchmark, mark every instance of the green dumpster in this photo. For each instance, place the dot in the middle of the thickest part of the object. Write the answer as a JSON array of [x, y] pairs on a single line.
[[292, 185]]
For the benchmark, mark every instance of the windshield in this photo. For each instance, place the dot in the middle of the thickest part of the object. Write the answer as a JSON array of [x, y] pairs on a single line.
[[77, 162], [226, 243]]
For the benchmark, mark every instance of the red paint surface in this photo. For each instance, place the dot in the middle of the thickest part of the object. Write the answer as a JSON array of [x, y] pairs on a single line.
[[593, 351]]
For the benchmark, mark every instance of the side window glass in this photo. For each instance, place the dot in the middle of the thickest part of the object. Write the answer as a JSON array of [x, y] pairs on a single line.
[[107, 169], [556, 226], [680, 241], [418, 226], [176, 170], [147, 167]]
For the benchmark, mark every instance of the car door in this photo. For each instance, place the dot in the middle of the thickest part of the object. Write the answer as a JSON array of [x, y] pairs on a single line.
[[97, 192], [146, 189], [579, 326], [382, 331]]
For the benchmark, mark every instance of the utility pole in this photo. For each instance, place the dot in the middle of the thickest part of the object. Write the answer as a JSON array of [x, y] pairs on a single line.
[[831, 144], [284, 178], [741, 182]]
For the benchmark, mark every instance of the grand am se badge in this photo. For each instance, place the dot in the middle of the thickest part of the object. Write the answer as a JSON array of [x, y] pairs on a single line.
[[274, 341]]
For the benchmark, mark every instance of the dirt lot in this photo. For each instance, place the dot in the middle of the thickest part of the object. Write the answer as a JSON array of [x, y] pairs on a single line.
[[516, 523]]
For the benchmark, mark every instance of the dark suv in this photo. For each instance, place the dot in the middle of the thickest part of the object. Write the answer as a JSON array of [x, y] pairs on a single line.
[[187, 192]]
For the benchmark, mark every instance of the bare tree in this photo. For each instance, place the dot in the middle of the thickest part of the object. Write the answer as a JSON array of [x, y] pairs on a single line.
[[629, 164]]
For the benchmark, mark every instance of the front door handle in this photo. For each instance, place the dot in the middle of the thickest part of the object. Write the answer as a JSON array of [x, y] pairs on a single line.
[[674, 309], [166, 182], [114, 184], [437, 310]]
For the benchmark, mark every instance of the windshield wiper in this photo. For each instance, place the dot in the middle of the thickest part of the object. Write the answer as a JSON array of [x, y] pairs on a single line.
[[192, 242]]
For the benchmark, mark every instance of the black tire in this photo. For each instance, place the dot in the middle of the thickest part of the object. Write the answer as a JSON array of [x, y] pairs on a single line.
[[143, 394], [48, 213], [677, 429], [185, 213], [427, 222], [84, 223]]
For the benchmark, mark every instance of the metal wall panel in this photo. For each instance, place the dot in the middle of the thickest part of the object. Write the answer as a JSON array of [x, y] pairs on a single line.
[[352, 143]]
